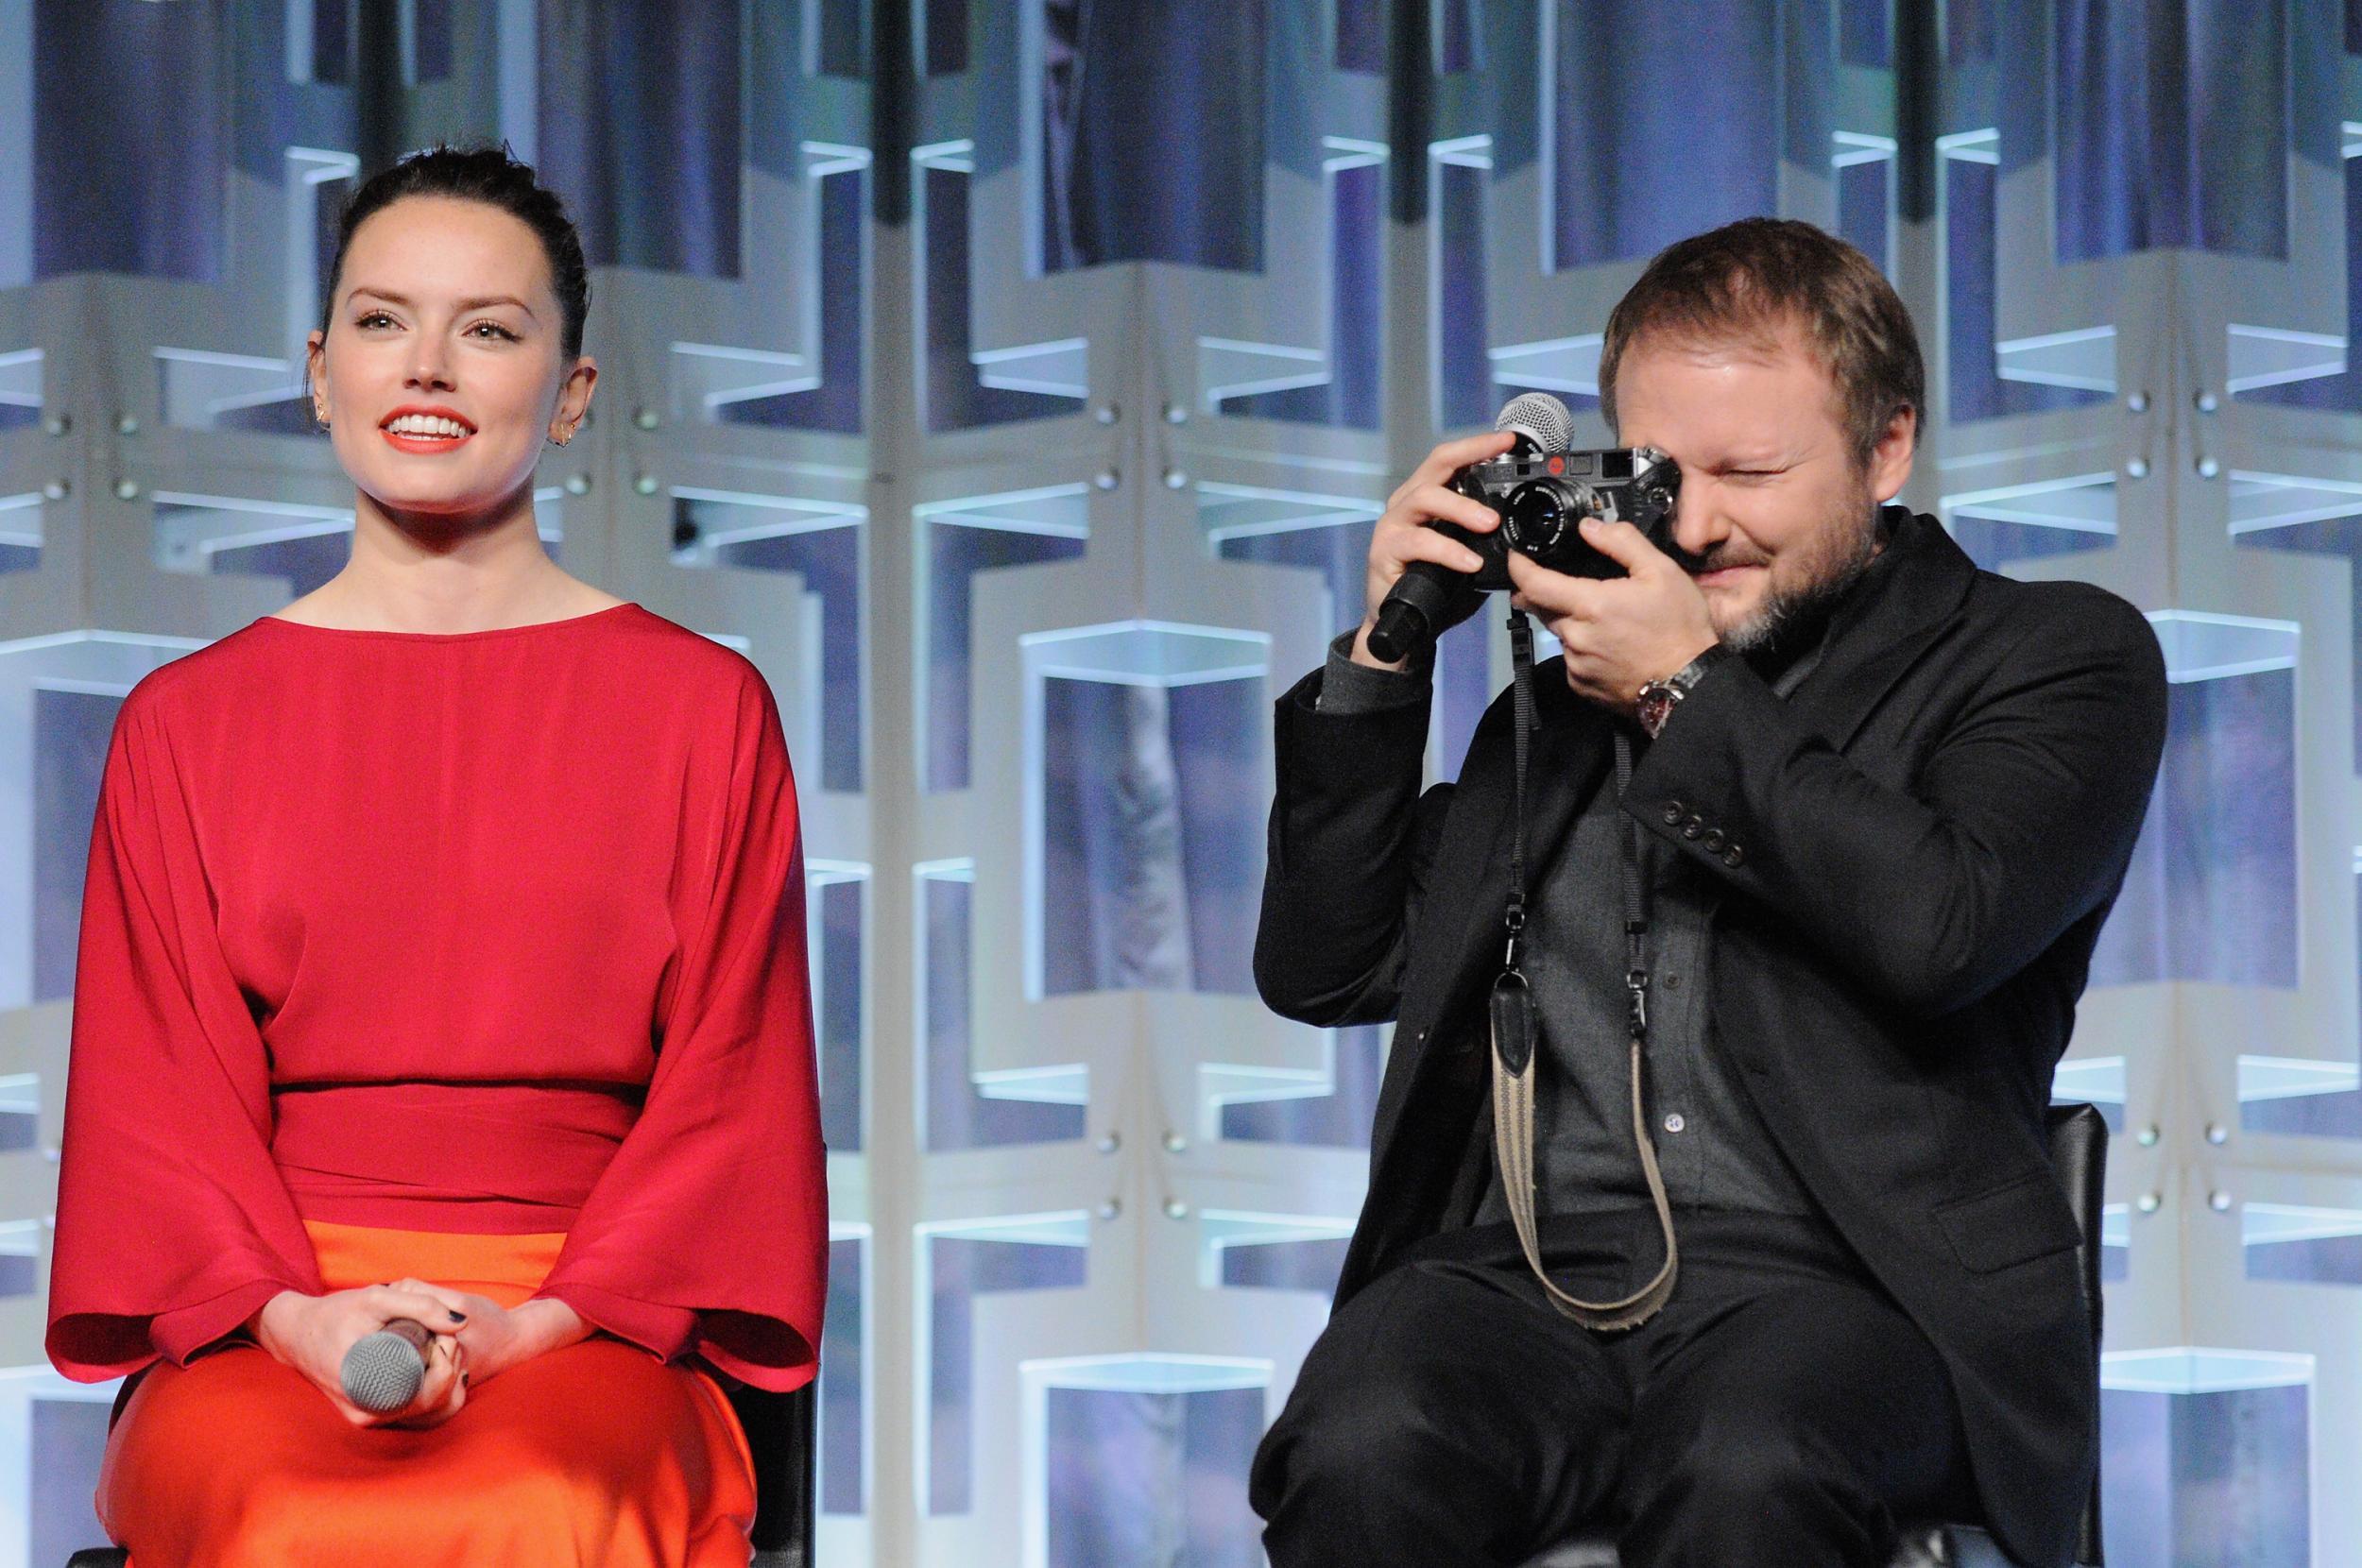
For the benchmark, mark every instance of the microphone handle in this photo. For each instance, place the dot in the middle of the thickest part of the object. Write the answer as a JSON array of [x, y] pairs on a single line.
[[1411, 610]]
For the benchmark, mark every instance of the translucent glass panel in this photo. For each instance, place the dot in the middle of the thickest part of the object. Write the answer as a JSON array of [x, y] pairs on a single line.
[[1285, 1265], [70, 731], [1152, 1476], [954, 393], [2335, 383], [64, 1438], [958, 1113], [20, 388], [821, 543], [1338, 1117], [836, 931], [1347, 389], [128, 181], [2206, 1457], [2173, 126], [962, 1265], [1865, 199], [2286, 1241], [844, 1397], [1976, 389], [1615, 136], [1152, 829], [965, 538], [1340, 551], [2211, 894], [640, 128], [1152, 134], [20, 532], [833, 402]]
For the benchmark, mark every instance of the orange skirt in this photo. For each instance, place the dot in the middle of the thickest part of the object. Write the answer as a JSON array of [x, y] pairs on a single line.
[[596, 1456]]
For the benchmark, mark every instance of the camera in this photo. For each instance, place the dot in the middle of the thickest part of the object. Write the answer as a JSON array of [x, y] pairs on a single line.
[[1542, 497]]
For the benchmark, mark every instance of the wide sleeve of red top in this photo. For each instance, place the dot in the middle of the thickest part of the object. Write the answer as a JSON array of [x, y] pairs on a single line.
[[720, 1164], [173, 1222]]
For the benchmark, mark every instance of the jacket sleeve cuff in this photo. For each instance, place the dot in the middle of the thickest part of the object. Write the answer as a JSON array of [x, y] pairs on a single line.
[[1347, 688], [180, 1334], [665, 1331]]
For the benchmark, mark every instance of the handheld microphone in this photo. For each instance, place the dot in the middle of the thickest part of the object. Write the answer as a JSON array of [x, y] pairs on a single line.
[[1415, 607], [382, 1371]]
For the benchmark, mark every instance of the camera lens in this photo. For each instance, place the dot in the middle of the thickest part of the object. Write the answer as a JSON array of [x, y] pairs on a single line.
[[1540, 516]]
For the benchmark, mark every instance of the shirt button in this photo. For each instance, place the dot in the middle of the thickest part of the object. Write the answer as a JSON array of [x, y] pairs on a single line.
[[1674, 1122], [1732, 856], [1673, 813], [1672, 982], [1713, 841], [1694, 826]]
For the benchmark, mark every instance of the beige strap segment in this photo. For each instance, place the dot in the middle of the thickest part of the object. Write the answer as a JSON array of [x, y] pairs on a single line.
[[1513, 1148]]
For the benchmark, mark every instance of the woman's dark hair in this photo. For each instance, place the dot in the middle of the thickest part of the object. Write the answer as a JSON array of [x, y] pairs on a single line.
[[490, 176]]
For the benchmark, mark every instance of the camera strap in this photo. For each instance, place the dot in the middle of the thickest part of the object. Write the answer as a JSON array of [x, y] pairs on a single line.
[[1511, 1011]]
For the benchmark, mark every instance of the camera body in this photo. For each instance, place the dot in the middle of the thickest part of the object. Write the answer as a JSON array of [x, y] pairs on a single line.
[[1541, 497]]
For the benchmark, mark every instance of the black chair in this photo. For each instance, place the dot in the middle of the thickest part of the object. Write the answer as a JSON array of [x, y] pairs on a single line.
[[781, 1430], [2079, 1153]]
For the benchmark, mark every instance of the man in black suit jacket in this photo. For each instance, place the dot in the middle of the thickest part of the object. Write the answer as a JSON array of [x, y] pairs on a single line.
[[1881, 804]]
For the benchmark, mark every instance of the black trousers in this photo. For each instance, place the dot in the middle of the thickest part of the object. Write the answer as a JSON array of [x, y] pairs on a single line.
[[1780, 1410]]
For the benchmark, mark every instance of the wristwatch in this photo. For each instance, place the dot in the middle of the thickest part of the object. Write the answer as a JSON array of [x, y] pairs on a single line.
[[1660, 697]]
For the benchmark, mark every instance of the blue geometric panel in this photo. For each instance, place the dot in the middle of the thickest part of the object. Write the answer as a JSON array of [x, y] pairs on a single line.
[[843, 1405], [1971, 248], [972, 534], [2173, 126], [1151, 1475], [1153, 127], [128, 181], [2318, 369], [1615, 135], [960, 388], [2207, 1458], [1153, 853], [640, 126], [959, 1108], [1336, 1117], [70, 731], [963, 1262], [2212, 891], [821, 543], [834, 931]]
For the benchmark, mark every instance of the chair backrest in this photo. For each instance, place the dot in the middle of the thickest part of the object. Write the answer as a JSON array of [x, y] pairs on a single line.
[[2078, 1155]]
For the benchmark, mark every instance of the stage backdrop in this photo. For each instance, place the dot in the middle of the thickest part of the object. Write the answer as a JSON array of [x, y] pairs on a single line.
[[1014, 382]]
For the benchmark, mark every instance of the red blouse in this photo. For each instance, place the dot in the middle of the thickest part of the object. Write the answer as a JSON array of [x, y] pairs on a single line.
[[488, 931]]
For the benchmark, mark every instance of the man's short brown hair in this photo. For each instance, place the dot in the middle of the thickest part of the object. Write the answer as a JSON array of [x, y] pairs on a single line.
[[1751, 278]]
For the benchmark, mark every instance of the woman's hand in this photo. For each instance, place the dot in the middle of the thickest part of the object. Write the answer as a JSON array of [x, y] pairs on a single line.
[[312, 1332], [496, 1338]]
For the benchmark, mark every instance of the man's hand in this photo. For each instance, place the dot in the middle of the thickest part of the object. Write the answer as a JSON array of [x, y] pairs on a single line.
[[1402, 535], [1621, 633]]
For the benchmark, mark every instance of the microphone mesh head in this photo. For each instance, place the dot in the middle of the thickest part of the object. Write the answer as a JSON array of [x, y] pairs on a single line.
[[382, 1372], [1540, 417]]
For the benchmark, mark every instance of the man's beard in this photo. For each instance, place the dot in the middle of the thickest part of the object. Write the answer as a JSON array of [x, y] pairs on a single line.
[[1797, 613]]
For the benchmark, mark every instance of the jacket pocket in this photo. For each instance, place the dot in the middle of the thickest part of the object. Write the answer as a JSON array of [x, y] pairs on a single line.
[[2015, 1223]]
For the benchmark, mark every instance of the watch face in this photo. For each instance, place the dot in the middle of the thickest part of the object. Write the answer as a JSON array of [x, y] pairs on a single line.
[[1657, 702]]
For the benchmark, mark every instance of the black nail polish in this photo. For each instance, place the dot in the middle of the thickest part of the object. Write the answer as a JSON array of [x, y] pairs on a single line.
[[457, 1317]]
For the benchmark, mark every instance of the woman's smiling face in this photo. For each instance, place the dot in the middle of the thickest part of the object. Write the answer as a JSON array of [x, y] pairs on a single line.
[[443, 368]]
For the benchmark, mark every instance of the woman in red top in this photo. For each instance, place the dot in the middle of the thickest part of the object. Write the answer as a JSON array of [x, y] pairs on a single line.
[[442, 957]]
